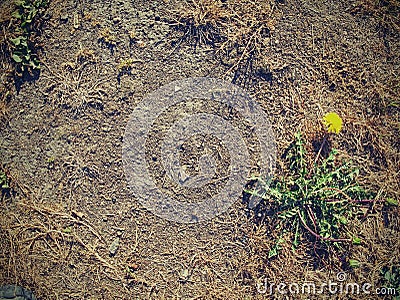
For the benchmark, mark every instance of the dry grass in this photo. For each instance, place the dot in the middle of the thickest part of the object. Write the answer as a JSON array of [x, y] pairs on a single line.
[[239, 31]]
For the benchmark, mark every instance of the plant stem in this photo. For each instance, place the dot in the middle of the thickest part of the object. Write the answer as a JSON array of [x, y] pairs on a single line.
[[320, 236], [320, 149]]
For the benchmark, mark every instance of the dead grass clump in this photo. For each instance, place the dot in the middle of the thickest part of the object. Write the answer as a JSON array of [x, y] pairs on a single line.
[[238, 30], [73, 86], [201, 21]]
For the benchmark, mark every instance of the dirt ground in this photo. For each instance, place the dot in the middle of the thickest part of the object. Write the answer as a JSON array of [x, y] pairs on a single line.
[[62, 134]]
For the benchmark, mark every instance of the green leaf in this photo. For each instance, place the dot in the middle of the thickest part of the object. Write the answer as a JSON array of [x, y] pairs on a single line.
[[392, 202], [67, 229], [388, 275], [354, 263], [16, 41], [34, 64], [16, 14], [356, 241], [16, 58], [19, 2], [273, 252]]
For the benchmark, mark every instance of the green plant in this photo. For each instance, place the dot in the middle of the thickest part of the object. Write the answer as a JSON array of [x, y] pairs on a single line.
[[23, 52], [391, 277], [316, 202], [3, 181], [127, 64], [4, 184]]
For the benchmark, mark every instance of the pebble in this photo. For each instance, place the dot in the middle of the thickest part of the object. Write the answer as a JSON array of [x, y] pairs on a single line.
[[114, 247], [15, 293], [64, 17]]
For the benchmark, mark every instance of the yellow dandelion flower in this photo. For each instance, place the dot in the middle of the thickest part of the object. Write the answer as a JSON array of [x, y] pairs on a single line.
[[333, 122]]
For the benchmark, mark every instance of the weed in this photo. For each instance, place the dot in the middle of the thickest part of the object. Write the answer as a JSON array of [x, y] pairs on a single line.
[[85, 54], [391, 277], [108, 38], [23, 52], [127, 64], [317, 202], [201, 20], [4, 184]]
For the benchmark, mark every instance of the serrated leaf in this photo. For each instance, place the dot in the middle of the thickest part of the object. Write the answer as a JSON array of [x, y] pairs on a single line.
[[387, 275], [34, 64], [343, 220], [114, 247], [4, 185]]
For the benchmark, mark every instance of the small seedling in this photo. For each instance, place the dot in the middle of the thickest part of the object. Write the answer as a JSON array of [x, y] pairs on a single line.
[[127, 65], [108, 38], [4, 184]]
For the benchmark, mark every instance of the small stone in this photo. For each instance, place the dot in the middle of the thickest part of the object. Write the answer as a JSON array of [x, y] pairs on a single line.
[[116, 20], [114, 247], [76, 21], [10, 291], [64, 17], [184, 276], [141, 44]]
